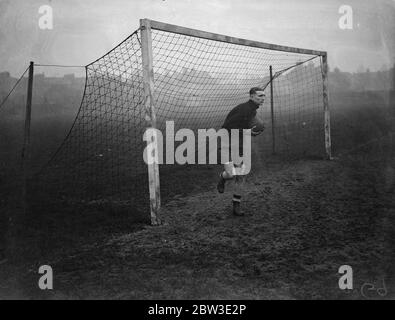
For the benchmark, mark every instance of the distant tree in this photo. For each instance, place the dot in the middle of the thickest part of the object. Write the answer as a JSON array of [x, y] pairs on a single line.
[[384, 67], [339, 81]]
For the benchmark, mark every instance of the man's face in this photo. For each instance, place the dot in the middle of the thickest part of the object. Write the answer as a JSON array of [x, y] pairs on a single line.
[[258, 97]]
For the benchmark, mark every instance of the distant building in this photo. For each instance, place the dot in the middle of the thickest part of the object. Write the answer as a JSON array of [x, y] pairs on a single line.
[[69, 78], [4, 76], [39, 79], [5, 82]]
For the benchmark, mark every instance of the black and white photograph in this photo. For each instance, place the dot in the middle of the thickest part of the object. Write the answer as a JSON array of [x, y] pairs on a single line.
[[210, 152]]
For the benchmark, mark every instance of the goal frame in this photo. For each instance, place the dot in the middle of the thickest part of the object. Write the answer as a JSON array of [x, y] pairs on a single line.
[[146, 27]]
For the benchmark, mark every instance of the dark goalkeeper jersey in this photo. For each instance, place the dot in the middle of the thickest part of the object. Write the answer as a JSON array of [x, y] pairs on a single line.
[[240, 116]]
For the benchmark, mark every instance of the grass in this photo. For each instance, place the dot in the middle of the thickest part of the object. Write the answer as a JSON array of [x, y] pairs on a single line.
[[304, 219]]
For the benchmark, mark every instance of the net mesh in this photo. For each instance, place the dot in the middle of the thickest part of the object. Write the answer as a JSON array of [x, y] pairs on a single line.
[[197, 82]]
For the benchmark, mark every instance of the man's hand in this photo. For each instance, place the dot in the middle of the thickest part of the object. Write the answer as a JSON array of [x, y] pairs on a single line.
[[256, 126], [255, 132]]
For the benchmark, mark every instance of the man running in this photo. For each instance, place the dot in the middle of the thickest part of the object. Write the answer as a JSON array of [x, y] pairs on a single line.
[[241, 117]]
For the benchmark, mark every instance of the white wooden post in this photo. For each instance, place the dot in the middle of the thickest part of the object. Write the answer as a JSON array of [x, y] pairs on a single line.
[[272, 109], [148, 77], [327, 123], [26, 140]]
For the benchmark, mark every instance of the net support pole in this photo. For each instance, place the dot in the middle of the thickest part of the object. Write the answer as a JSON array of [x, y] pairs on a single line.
[[148, 78], [26, 140], [272, 110], [17, 215], [327, 124]]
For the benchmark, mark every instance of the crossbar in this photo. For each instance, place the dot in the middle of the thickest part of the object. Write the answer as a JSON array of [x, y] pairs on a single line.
[[222, 38]]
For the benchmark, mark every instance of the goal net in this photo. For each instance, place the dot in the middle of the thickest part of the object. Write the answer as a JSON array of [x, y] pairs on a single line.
[[198, 77]]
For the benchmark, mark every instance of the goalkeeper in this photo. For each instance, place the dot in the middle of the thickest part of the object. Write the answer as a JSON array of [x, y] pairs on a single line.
[[241, 117]]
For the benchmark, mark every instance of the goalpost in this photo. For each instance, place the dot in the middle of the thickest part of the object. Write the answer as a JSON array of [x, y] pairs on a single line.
[[166, 72], [147, 27]]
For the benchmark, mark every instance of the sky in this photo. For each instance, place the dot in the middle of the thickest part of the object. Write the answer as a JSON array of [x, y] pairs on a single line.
[[84, 30]]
